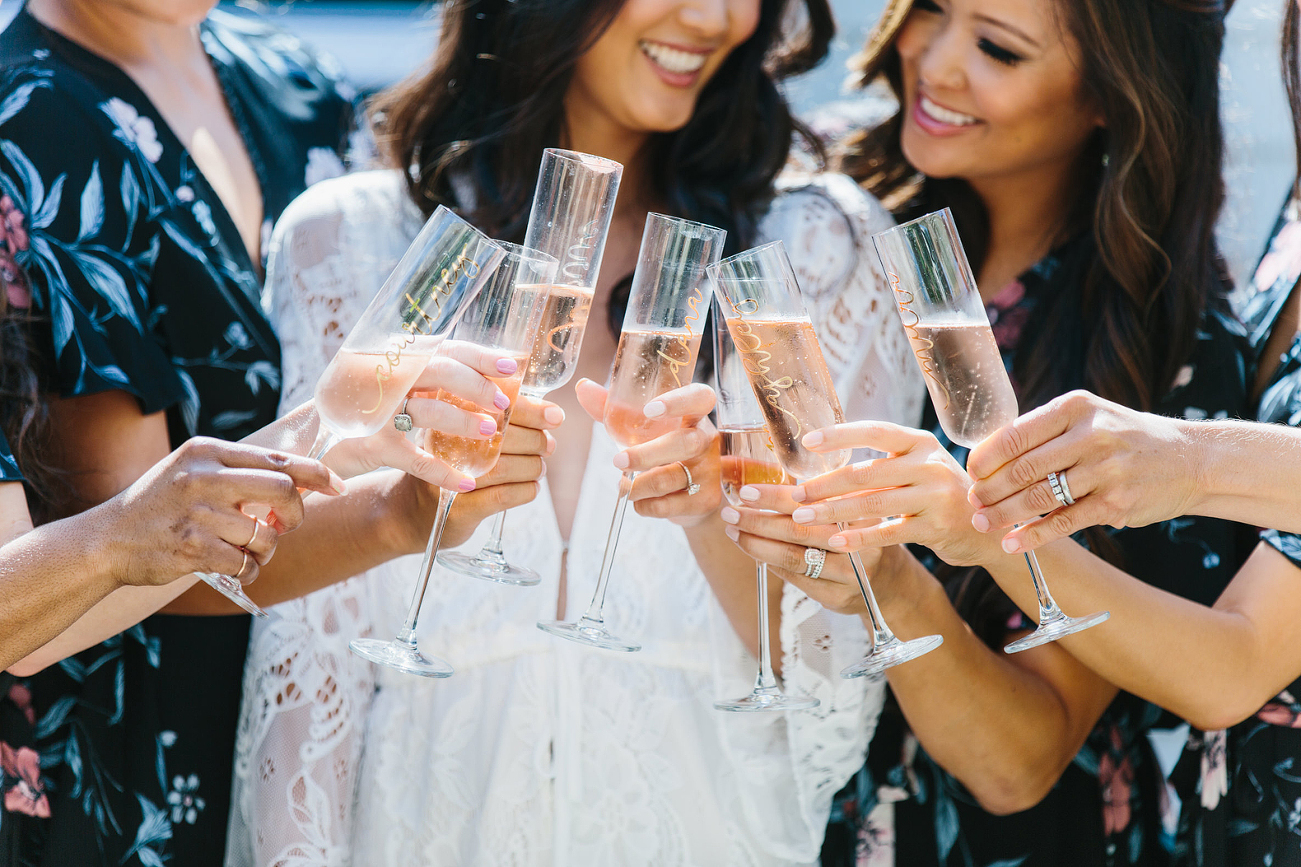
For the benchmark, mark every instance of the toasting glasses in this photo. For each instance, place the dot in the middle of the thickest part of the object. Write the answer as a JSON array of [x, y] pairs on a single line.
[[570, 219], [950, 335], [505, 317], [780, 353], [388, 348], [657, 353], [748, 459]]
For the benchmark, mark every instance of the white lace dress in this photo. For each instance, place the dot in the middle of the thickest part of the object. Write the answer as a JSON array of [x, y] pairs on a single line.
[[539, 752]]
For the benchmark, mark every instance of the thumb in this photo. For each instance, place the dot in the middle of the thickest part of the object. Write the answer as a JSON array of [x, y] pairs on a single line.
[[592, 398]]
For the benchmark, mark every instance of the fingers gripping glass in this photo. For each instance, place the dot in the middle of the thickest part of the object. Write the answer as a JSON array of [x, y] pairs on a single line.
[[748, 459], [388, 348], [946, 323], [504, 317], [657, 353], [570, 219], [788, 375]]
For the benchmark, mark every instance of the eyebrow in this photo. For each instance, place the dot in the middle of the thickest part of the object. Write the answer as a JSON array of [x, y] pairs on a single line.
[[1015, 31]]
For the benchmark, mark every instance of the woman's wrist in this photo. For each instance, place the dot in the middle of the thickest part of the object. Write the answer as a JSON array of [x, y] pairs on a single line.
[[1211, 479]]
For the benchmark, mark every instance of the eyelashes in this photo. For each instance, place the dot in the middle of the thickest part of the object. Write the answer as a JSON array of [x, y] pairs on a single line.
[[999, 54]]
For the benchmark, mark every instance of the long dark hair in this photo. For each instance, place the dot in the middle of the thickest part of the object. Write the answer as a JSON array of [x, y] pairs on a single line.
[[493, 98], [24, 416], [1292, 76], [1131, 293]]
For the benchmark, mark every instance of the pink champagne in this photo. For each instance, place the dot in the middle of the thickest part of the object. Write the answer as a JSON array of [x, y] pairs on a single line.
[[966, 378], [647, 364], [789, 376], [555, 352], [474, 457], [360, 391], [748, 459]]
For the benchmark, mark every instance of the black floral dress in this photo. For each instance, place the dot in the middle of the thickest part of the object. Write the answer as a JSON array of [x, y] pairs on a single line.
[[142, 284], [1107, 808], [1241, 788]]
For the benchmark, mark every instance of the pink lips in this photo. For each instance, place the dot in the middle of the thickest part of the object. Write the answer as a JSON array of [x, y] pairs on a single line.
[[932, 125]]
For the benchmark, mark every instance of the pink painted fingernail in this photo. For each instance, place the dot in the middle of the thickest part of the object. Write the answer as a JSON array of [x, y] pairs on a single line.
[[802, 515], [749, 493], [487, 427], [654, 409], [838, 542], [554, 415], [501, 401], [980, 522], [798, 495], [813, 439], [729, 515], [621, 461], [466, 486], [1011, 546], [732, 533], [507, 366]]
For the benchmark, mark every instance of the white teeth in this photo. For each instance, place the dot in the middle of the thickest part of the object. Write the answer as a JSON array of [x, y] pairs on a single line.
[[943, 115], [672, 59]]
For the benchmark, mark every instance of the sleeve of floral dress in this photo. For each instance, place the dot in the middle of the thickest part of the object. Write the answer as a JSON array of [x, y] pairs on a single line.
[[826, 223], [305, 696], [78, 237]]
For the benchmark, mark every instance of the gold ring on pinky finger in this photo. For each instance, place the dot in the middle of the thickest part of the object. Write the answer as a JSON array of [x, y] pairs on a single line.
[[814, 560], [256, 526], [243, 564]]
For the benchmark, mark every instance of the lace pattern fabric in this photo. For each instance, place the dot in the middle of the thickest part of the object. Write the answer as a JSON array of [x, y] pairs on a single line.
[[539, 752]]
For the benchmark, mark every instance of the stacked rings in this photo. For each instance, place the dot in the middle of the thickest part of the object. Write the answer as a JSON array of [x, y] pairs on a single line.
[[1060, 489], [814, 559]]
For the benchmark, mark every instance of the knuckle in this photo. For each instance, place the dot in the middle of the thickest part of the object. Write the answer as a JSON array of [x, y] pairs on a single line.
[[1061, 523], [1041, 499], [1022, 473]]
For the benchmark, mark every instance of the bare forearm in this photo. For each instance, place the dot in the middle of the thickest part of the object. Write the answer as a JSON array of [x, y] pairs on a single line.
[[1211, 666], [1252, 472], [731, 575], [995, 723]]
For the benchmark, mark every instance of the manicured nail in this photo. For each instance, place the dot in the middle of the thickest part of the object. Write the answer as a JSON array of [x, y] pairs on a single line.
[[621, 460], [466, 486], [813, 439], [838, 542], [798, 495], [655, 409], [507, 366], [974, 500], [336, 484], [750, 493], [732, 533], [802, 515], [1011, 546], [501, 401], [554, 415], [980, 522], [729, 515], [487, 427]]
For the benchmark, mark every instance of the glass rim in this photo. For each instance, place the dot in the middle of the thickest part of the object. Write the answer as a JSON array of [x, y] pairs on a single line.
[[682, 221], [600, 164], [747, 254], [519, 251], [945, 214]]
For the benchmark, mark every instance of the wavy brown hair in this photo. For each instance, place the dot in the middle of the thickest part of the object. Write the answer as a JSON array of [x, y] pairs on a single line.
[[1292, 76], [24, 416], [493, 97], [1149, 192]]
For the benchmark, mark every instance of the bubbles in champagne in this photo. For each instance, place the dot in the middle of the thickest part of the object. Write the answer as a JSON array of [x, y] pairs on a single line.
[[555, 352], [647, 364], [748, 459], [790, 379], [966, 378], [474, 457], [360, 391]]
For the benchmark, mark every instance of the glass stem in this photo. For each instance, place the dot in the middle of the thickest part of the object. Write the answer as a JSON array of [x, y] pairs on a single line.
[[492, 550], [766, 681], [593, 613], [1048, 609], [325, 440], [881, 634], [407, 635]]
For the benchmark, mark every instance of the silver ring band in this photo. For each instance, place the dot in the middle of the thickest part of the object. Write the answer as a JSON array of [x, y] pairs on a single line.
[[814, 560], [1066, 489], [402, 421], [692, 487], [1057, 482]]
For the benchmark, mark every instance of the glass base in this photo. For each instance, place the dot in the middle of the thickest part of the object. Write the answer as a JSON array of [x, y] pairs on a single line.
[[229, 586], [479, 567], [1055, 628], [760, 701], [891, 654], [589, 632], [400, 656]]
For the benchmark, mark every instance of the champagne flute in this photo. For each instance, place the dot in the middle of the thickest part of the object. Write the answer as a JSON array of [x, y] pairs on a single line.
[[570, 219], [505, 316], [780, 352], [389, 347], [748, 459], [946, 323], [657, 353]]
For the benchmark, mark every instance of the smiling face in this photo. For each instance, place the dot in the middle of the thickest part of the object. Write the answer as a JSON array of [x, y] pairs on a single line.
[[646, 71], [991, 88]]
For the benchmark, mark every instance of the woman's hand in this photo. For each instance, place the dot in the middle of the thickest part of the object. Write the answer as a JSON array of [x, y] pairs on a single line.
[[1124, 468], [919, 487], [512, 482], [192, 511], [660, 488]]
